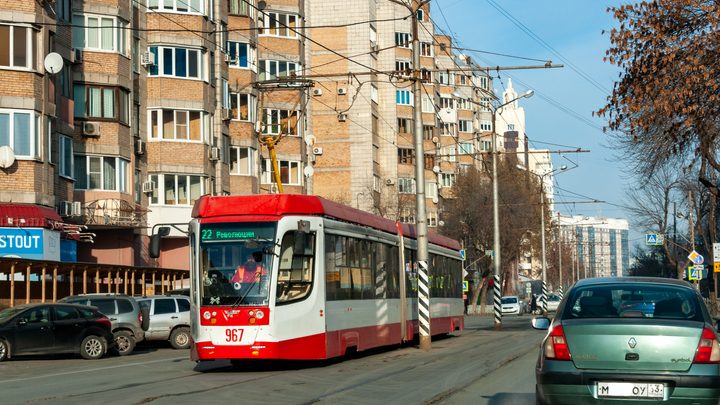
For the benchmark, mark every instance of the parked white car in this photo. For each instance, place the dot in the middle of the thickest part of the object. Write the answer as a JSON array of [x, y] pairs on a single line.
[[553, 302], [169, 319], [511, 305]]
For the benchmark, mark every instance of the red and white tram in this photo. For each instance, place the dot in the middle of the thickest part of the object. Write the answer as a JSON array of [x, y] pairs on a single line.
[[301, 277]]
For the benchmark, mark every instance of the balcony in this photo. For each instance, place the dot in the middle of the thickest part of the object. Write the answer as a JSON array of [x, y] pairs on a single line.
[[113, 212]]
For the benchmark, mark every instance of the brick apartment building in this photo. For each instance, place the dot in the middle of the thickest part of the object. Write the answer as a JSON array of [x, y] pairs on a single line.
[[159, 102]]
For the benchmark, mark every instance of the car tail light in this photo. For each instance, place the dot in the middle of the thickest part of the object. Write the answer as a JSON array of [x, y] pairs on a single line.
[[105, 321], [708, 350], [556, 345], [140, 318]]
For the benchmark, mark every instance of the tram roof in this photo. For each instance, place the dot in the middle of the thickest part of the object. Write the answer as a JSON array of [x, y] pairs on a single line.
[[290, 204]]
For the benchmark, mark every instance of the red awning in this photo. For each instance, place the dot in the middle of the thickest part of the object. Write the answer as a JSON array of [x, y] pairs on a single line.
[[33, 216]]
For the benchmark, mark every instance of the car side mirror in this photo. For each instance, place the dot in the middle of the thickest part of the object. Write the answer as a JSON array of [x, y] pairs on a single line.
[[541, 323], [22, 321]]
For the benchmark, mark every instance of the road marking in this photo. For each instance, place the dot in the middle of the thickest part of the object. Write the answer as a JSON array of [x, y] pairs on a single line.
[[94, 369]]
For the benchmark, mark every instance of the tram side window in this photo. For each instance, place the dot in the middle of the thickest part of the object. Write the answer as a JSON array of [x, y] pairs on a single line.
[[295, 276], [333, 261], [410, 269]]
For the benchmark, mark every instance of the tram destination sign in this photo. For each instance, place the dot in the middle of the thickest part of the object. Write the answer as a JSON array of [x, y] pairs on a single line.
[[228, 232]]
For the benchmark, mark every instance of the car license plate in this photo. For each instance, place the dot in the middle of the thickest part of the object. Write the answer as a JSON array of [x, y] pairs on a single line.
[[630, 390]]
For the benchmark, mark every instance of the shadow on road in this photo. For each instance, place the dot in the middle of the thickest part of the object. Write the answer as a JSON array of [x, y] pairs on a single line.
[[511, 398]]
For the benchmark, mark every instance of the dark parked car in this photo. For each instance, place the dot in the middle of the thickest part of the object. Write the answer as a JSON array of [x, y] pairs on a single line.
[[54, 329]]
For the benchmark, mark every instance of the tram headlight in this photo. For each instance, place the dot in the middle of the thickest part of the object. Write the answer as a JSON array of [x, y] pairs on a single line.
[[214, 313], [259, 314], [206, 315], [251, 312]]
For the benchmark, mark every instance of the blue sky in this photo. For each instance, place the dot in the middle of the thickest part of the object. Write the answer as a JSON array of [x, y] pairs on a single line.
[[572, 29]]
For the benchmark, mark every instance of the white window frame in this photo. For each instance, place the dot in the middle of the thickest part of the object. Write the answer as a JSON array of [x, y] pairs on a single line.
[[511, 127], [161, 126], [404, 97], [466, 148], [465, 126], [447, 154], [376, 183], [407, 215], [432, 219], [117, 30], [158, 195], [464, 104], [250, 8], [266, 65], [406, 185], [485, 125], [235, 162], [446, 102], [277, 116], [447, 129], [448, 179], [159, 66], [403, 39], [159, 6], [428, 105], [426, 49], [485, 104], [404, 67], [421, 14], [446, 79], [120, 177], [289, 32], [65, 142], [374, 93], [267, 176], [233, 48], [430, 190], [30, 53], [250, 103], [35, 133]]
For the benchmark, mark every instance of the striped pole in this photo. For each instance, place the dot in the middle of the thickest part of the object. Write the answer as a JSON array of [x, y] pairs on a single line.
[[544, 298], [560, 293], [497, 304], [423, 300]]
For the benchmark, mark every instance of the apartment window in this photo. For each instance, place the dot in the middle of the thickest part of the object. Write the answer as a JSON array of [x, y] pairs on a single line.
[[485, 104], [240, 52], [447, 103], [177, 62], [461, 80], [135, 55], [465, 126], [486, 125], [272, 69], [466, 148], [373, 36], [289, 172], [101, 102], [430, 190], [447, 129], [421, 14], [180, 6], [429, 160], [445, 78], [138, 186], [18, 45], [225, 150], [432, 219], [176, 189], [241, 160], [99, 33], [65, 156], [277, 24], [428, 132], [376, 183], [277, 121], [243, 107], [447, 179], [427, 105], [404, 125], [464, 104], [101, 173], [375, 124], [404, 97], [404, 67], [225, 94], [64, 10], [241, 8], [408, 215], [177, 125], [136, 120], [426, 77], [20, 130], [426, 48], [483, 82], [406, 156], [376, 153], [406, 185], [402, 39], [374, 93], [511, 127], [447, 154]]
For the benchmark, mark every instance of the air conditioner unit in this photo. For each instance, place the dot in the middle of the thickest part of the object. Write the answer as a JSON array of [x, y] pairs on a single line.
[[390, 182], [342, 91], [215, 153], [317, 92], [273, 189], [148, 187], [77, 55], [230, 58], [77, 208], [140, 147], [91, 128], [317, 151], [226, 114], [147, 58], [342, 117], [66, 208]]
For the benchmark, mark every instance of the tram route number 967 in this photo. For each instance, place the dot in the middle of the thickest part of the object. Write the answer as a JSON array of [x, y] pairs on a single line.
[[233, 335]]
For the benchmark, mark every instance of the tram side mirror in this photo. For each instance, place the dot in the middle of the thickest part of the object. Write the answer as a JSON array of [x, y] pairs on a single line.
[[154, 247]]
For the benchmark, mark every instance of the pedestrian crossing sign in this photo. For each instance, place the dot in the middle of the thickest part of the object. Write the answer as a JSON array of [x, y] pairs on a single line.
[[654, 239], [462, 252], [465, 286]]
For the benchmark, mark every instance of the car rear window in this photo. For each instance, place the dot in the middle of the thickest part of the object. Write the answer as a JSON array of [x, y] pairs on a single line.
[[107, 307], [164, 306], [183, 304], [124, 306], [66, 314], [633, 300], [509, 300]]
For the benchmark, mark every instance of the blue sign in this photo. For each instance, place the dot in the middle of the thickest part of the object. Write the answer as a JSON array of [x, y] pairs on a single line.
[[68, 250], [465, 286], [462, 252], [15, 242]]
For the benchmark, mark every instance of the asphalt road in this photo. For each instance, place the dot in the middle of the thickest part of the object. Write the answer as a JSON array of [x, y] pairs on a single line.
[[475, 366]]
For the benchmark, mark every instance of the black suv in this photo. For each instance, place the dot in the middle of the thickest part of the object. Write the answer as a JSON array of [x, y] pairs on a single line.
[[128, 321]]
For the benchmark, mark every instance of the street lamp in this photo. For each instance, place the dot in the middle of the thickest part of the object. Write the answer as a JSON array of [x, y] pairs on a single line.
[[496, 209], [542, 232], [357, 199]]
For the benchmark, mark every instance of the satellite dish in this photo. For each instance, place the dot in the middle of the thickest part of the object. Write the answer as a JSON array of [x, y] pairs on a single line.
[[436, 169], [7, 157], [310, 140], [441, 223], [435, 200], [53, 63], [308, 171]]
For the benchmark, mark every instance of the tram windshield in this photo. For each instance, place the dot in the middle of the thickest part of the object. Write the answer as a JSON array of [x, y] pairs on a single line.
[[235, 263]]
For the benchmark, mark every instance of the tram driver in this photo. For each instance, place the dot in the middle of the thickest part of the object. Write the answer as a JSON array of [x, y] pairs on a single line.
[[250, 271]]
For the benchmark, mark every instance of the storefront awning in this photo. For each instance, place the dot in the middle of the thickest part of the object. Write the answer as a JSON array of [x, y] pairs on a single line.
[[28, 215]]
